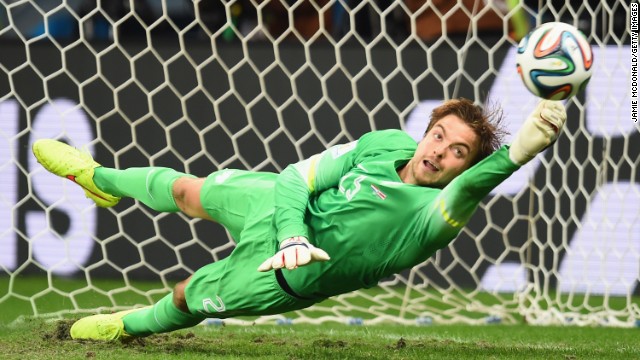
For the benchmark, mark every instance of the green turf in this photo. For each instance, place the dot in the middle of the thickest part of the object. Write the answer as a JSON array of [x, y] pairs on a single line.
[[26, 296], [38, 295], [39, 339], [24, 337]]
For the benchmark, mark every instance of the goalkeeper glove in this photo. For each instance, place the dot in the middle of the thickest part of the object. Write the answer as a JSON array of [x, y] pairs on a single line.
[[540, 130], [294, 252]]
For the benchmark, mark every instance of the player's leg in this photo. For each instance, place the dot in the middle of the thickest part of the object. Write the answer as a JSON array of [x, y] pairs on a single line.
[[162, 189], [169, 314], [216, 290], [235, 198], [187, 195], [220, 289], [153, 186]]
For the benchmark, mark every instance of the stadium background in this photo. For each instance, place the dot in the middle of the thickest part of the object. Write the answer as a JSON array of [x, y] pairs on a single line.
[[198, 106]]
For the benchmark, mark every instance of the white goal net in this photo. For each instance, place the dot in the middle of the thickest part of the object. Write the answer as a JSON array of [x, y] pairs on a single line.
[[252, 84]]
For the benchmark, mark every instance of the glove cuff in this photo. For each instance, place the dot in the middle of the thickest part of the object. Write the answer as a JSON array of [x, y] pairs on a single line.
[[294, 241]]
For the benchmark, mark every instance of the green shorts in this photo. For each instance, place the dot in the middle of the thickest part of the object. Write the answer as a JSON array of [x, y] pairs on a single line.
[[242, 202]]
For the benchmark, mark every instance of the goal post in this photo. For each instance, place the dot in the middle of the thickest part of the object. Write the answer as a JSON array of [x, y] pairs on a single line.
[[258, 85]]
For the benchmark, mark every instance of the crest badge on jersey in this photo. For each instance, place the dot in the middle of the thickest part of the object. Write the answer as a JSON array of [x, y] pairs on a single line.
[[378, 192]]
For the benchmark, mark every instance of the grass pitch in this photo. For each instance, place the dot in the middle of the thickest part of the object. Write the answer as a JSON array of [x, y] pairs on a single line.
[[25, 337], [40, 339]]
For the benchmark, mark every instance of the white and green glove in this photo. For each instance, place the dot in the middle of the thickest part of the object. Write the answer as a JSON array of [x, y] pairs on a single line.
[[540, 130], [294, 252]]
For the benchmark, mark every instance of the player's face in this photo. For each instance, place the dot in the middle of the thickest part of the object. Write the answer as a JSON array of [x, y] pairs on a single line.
[[444, 153]]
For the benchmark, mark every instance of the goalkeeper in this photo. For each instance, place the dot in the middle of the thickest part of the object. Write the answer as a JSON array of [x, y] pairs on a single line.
[[343, 219]]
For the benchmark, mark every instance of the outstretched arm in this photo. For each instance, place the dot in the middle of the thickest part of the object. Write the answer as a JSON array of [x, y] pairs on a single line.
[[459, 199]]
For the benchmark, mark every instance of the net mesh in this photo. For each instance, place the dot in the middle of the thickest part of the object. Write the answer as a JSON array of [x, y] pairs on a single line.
[[200, 86]]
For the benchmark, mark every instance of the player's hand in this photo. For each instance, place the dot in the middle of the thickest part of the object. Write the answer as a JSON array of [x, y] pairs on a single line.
[[540, 130], [294, 252]]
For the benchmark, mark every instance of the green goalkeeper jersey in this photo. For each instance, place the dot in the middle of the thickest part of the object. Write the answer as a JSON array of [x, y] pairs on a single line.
[[350, 202]]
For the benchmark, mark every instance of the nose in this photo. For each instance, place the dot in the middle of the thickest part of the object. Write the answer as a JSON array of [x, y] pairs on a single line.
[[439, 151]]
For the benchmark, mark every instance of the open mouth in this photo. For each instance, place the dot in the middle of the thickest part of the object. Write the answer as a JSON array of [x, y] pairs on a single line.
[[429, 165]]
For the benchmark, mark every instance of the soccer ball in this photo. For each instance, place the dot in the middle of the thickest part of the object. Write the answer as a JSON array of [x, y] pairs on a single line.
[[555, 61]]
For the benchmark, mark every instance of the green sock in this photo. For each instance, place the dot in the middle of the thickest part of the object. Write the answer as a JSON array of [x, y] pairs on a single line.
[[164, 316], [151, 185]]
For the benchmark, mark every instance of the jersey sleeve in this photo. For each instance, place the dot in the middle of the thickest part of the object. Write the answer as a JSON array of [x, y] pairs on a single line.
[[457, 202], [322, 171], [299, 181]]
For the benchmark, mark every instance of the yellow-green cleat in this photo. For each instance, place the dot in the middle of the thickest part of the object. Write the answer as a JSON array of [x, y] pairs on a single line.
[[68, 162], [106, 327]]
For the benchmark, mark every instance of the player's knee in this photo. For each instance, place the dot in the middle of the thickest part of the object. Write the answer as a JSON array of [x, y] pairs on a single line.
[[179, 298], [186, 193]]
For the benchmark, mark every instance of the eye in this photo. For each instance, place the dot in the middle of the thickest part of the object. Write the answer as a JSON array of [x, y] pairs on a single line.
[[438, 136], [458, 152]]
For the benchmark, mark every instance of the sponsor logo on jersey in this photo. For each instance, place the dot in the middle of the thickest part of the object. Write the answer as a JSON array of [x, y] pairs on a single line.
[[378, 193]]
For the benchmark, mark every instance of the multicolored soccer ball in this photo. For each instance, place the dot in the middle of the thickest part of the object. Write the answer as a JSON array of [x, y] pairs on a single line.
[[555, 61]]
